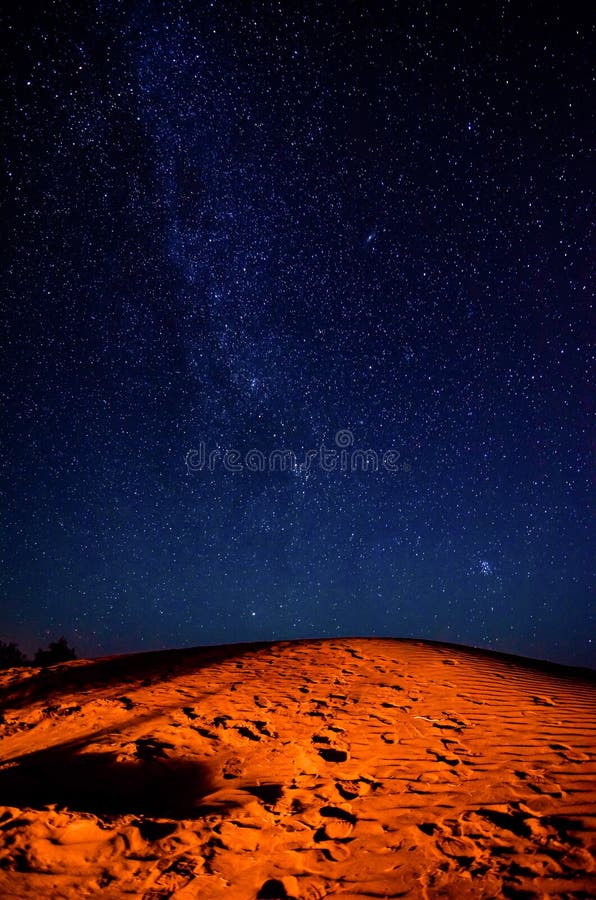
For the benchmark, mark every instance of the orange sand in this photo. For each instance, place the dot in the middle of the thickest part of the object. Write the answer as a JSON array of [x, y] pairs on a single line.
[[342, 768]]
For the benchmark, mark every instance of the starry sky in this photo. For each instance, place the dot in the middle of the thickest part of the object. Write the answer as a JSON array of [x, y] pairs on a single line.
[[235, 228]]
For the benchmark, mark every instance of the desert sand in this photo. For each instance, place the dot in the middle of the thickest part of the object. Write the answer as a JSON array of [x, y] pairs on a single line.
[[339, 768]]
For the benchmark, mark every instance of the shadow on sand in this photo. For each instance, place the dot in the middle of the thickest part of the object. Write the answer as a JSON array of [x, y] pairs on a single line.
[[151, 783], [127, 671]]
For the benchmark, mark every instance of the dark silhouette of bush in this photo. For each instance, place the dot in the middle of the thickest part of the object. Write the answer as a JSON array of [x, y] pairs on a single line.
[[57, 652], [11, 655]]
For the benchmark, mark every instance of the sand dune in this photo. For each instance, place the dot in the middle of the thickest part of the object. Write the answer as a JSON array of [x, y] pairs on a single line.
[[343, 768]]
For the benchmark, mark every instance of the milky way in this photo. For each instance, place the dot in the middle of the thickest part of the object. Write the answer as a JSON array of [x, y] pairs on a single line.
[[255, 227]]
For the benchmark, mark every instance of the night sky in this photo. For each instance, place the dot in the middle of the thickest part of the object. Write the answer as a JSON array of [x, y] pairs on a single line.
[[296, 226]]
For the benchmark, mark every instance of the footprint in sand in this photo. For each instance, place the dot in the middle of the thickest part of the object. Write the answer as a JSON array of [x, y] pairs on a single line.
[[333, 754], [449, 758], [477, 701], [380, 719], [246, 732], [341, 697], [427, 782], [126, 702], [318, 702], [543, 700], [457, 719], [255, 730], [338, 824], [336, 852], [232, 768], [354, 653], [221, 721], [177, 875], [205, 732], [458, 749], [393, 687], [579, 859], [335, 832], [510, 819], [451, 722], [262, 702], [327, 735], [357, 787], [461, 849], [569, 753], [540, 783]]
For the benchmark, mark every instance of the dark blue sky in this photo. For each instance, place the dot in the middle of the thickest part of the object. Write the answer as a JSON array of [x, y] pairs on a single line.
[[253, 225]]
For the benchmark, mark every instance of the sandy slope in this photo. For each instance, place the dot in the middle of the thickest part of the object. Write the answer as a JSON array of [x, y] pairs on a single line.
[[348, 768]]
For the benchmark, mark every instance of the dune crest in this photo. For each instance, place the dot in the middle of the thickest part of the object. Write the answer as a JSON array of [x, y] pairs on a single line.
[[309, 769]]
